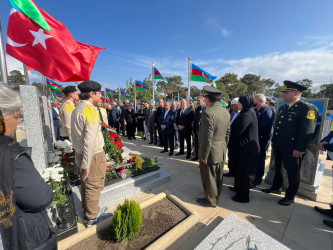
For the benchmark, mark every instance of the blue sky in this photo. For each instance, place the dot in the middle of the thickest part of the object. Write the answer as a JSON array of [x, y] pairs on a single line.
[[276, 39]]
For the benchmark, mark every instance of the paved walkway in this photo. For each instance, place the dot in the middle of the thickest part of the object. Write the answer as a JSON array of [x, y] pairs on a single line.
[[298, 226]]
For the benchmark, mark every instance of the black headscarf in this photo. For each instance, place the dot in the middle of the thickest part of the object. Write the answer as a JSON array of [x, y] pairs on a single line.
[[247, 101], [11, 228]]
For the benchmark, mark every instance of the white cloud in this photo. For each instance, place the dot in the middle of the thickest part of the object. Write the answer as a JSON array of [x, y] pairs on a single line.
[[215, 24]]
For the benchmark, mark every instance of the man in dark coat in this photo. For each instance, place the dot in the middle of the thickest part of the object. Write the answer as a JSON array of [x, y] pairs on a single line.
[[213, 139], [294, 127], [166, 120], [150, 116], [115, 116], [196, 125], [157, 124], [265, 126], [56, 120], [185, 116]]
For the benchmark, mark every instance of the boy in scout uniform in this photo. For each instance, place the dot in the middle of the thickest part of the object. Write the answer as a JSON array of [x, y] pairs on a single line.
[[66, 110], [88, 142], [65, 113], [294, 127], [213, 139]]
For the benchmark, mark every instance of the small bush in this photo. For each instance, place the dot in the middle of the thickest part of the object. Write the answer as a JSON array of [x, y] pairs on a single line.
[[127, 220]]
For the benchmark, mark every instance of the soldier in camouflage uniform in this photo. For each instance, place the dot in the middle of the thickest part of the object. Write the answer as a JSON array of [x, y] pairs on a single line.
[[294, 127]]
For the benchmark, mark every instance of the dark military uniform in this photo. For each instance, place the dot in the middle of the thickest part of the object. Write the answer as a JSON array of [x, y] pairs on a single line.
[[293, 130]]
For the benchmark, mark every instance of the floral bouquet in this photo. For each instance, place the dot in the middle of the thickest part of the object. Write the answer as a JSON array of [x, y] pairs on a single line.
[[113, 145], [136, 161], [54, 176]]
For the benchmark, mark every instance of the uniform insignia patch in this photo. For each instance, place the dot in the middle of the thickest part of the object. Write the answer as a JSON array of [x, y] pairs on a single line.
[[311, 115]]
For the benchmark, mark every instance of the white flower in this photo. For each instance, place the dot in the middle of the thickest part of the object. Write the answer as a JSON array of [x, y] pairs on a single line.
[[68, 143], [58, 152]]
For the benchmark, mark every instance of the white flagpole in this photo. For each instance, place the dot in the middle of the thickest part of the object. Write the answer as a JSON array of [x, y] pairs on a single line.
[[134, 96], [26, 74], [153, 81], [119, 91], [189, 79], [3, 64]]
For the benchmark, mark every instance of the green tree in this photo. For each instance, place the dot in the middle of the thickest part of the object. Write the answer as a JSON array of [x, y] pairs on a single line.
[[171, 88], [230, 86], [15, 79], [253, 82], [326, 91], [268, 86], [39, 86]]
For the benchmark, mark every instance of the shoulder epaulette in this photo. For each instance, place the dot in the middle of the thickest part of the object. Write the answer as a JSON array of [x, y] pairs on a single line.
[[69, 107], [91, 115]]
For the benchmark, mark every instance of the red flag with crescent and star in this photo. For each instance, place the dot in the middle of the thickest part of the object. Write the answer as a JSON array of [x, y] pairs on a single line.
[[55, 53]]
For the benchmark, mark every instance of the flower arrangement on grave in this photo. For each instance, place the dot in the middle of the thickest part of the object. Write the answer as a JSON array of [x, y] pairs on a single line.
[[136, 161], [113, 145], [54, 176]]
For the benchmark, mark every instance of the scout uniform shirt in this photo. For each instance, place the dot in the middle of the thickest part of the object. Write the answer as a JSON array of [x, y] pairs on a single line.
[[65, 114], [294, 126], [87, 137]]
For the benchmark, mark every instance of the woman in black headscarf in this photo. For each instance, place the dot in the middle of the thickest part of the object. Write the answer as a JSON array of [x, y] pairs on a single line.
[[244, 131], [24, 195]]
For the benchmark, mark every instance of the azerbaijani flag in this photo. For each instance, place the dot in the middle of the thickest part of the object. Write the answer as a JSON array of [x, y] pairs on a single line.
[[125, 94], [223, 103], [180, 98], [274, 99], [199, 75], [110, 91], [58, 91], [52, 84], [56, 94], [141, 86], [158, 75]]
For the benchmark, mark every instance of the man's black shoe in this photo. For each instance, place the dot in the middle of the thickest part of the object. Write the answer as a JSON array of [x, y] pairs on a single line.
[[252, 186], [229, 175], [155, 143], [328, 223], [180, 153], [328, 212], [150, 143], [164, 151], [188, 157], [236, 199], [195, 159], [134, 138], [232, 189], [203, 202], [161, 145], [129, 138], [270, 190], [171, 153], [286, 202]]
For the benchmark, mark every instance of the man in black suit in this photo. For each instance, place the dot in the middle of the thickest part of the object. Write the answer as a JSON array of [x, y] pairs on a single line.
[[166, 120], [150, 115], [115, 116], [56, 120], [196, 124], [185, 116], [157, 124]]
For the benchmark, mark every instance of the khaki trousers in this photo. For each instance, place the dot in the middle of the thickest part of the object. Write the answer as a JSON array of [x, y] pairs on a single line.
[[92, 187], [211, 178]]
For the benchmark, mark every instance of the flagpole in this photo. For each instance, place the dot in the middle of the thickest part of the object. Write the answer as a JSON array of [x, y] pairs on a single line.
[[189, 79], [119, 92], [3, 64], [44, 85], [134, 96], [153, 81], [26, 74]]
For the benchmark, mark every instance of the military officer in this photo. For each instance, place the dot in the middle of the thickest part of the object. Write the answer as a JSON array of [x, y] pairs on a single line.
[[213, 139], [293, 130]]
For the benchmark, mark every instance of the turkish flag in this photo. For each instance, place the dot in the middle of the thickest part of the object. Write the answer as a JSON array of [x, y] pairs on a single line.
[[55, 53]]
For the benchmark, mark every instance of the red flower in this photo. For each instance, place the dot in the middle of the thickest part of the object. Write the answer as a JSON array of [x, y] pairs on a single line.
[[106, 168], [67, 155], [67, 160]]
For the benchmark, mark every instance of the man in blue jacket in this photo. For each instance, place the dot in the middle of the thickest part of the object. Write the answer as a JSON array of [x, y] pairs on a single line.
[[265, 126], [166, 120]]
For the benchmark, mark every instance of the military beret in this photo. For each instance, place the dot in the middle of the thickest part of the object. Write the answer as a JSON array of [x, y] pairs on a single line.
[[87, 86], [293, 86], [210, 90], [69, 89]]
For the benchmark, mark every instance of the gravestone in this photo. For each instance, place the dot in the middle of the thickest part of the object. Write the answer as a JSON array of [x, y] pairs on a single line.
[[311, 168], [235, 233], [34, 125]]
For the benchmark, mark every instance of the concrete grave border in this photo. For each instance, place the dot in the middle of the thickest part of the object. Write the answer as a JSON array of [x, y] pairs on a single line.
[[161, 243]]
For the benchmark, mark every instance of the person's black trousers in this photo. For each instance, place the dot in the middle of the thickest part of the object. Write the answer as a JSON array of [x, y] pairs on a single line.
[[122, 128], [292, 166], [260, 169], [116, 126], [160, 136], [152, 134], [168, 140], [130, 129], [232, 158], [185, 135], [196, 145]]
